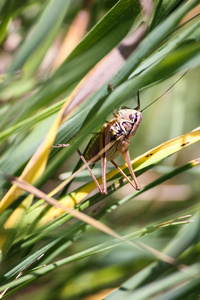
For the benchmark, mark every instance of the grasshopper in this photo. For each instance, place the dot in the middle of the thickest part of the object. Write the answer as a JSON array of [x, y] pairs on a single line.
[[113, 139]]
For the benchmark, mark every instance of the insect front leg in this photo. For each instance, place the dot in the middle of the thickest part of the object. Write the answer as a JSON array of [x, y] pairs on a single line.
[[123, 174], [104, 142], [90, 170], [103, 165], [128, 161]]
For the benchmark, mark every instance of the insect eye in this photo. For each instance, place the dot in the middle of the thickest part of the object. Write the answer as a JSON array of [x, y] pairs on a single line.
[[131, 117]]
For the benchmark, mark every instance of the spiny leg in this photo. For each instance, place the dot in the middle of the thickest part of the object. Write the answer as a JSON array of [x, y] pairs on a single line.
[[128, 161], [103, 165], [105, 143], [102, 144], [122, 172], [90, 170]]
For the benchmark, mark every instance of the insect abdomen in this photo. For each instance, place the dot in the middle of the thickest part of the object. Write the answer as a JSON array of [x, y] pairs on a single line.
[[94, 149]]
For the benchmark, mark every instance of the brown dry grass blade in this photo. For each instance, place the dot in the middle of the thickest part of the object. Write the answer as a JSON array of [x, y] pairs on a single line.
[[89, 220], [21, 273]]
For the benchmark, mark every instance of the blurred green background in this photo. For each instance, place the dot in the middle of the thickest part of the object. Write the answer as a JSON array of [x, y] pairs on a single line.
[[80, 262]]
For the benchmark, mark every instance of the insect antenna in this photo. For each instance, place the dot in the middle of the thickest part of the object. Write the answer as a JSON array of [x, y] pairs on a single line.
[[138, 101], [166, 90]]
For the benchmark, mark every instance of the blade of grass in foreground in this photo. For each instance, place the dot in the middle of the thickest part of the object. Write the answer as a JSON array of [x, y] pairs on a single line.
[[187, 237], [147, 159]]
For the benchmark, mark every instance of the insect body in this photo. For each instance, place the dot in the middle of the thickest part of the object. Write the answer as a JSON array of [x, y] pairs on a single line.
[[114, 137]]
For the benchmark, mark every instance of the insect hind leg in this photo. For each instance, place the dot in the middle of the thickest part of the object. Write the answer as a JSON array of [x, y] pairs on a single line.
[[90, 170], [123, 174], [128, 161]]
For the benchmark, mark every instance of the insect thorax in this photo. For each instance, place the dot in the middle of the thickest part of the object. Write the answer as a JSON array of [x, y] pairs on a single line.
[[121, 129], [126, 123]]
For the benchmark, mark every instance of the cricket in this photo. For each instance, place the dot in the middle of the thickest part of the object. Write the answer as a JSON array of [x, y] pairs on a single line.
[[117, 133], [114, 139]]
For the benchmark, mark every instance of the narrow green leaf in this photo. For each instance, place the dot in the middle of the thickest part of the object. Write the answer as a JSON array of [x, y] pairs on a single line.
[[50, 19]]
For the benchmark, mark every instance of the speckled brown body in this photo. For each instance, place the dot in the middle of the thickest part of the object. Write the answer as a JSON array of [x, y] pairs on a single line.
[[111, 140], [117, 132]]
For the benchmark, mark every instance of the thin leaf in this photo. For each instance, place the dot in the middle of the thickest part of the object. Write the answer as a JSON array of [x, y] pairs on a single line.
[[149, 274], [147, 159], [51, 18]]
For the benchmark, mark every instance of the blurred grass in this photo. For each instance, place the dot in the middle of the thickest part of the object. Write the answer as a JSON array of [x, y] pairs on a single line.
[[31, 96]]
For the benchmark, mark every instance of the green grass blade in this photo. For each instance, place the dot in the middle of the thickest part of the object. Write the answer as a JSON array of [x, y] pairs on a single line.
[[50, 19]]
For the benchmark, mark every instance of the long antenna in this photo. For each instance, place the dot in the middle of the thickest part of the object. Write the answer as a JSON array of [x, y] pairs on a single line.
[[138, 101], [167, 90]]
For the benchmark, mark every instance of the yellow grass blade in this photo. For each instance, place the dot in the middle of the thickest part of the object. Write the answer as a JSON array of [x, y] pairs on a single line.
[[8, 231], [36, 165], [148, 158], [31, 173]]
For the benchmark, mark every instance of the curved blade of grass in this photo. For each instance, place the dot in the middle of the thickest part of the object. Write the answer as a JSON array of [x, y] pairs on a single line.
[[21, 273], [89, 220], [169, 46], [19, 127], [120, 94], [179, 288], [37, 163], [85, 253], [118, 184], [58, 82], [91, 251], [29, 122], [147, 159], [35, 213], [32, 172], [35, 167], [8, 230], [186, 237], [96, 44], [165, 286], [118, 98], [162, 10]]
